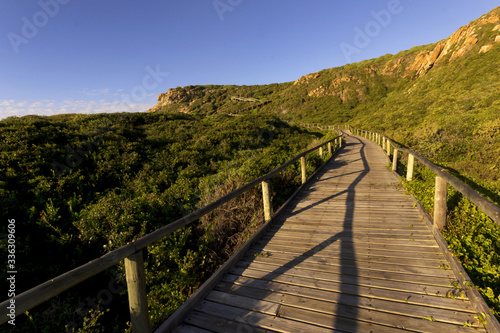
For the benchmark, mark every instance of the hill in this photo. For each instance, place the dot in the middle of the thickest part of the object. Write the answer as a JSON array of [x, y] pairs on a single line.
[[441, 99]]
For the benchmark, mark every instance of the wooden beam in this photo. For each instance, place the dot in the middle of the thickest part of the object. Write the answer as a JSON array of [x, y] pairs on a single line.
[[411, 165], [137, 296], [395, 160], [440, 198], [303, 169], [267, 200]]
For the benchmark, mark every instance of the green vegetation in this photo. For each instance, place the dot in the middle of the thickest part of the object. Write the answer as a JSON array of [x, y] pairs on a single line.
[[472, 236], [451, 115], [80, 186]]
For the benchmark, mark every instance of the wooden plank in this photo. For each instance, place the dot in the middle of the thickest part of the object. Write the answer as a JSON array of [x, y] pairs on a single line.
[[191, 329], [407, 263], [289, 295], [320, 235], [346, 308], [444, 279], [252, 304], [254, 256], [311, 242], [291, 230], [219, 325], [264, 280], [360, 325], [255, 319], [355, 246], [413, 286]]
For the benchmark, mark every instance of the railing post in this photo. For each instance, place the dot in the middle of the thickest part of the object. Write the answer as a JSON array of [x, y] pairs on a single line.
[[329, 148], [440, 197], [303, 169], [267, 200], [395, 160], [321, 153], [388, 147], [411, 164], [137, 297]]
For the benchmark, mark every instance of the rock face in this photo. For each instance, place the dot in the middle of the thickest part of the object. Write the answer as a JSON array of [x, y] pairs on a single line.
[[458, 44], [179, 95]]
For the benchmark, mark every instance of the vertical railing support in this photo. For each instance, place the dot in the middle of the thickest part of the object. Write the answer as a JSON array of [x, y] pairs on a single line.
[[267, 200], [321, 153], [440, 197], [395, 160], [330, 148], [411, 165], [388, 147], [137, 297], [303, 169]]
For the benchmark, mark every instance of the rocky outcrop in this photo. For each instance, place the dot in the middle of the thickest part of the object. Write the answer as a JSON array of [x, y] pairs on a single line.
[[458, 44], [180, 95], [486, 48], [306, 78]]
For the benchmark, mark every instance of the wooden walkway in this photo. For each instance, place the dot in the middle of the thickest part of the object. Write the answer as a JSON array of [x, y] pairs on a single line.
[[350, 254]]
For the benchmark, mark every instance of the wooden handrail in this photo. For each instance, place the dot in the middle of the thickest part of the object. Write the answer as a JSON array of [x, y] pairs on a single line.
[[487, 206], [45, 291], [439, 221]]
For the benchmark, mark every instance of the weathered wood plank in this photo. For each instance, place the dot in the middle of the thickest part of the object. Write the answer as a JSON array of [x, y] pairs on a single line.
[[360, 324], [406, 263], [342, 308], [354, 273], [219, 325], [409, 286], [255, 319], [258, 256], [279, 292], [263, 279], [192, 329], [352, 247]]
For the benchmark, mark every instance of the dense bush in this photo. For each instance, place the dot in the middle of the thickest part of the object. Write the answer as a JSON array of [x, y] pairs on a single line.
[[79, 186]]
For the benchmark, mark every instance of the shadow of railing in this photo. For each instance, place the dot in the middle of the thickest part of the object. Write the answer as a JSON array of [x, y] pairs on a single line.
[[346, 306]]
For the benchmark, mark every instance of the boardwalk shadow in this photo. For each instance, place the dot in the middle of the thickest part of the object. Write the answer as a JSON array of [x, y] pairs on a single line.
[[346, 310]]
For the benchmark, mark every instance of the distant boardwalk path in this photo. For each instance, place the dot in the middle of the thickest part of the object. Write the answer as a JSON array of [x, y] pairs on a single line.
[[350, 254]]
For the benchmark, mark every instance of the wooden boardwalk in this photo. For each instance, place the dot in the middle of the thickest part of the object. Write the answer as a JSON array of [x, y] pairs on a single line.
[[350, 254]]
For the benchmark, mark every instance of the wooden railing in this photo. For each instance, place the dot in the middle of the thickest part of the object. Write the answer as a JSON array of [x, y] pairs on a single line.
[[133, 256], [443, 178], [439, 221]]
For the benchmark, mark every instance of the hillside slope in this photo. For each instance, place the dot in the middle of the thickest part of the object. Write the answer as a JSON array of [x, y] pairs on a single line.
[[442, 99]]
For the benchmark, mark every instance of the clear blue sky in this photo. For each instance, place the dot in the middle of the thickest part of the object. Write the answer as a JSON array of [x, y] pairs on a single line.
[[62, 56]]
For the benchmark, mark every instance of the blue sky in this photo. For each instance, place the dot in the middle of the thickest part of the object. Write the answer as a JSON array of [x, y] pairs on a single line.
[[67, 56]]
